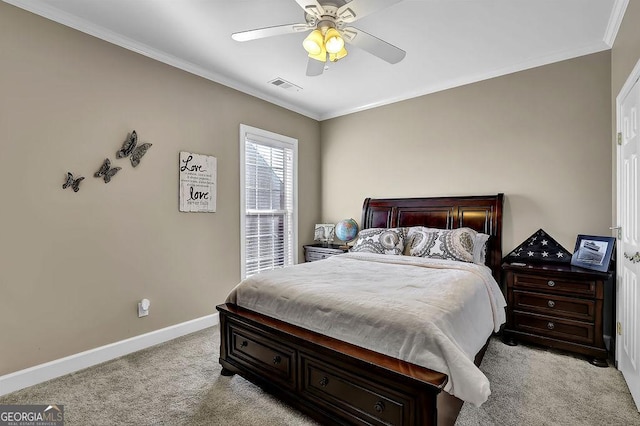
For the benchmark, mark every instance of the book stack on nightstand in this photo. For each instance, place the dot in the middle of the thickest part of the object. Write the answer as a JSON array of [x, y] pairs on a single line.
[[314, 252], [557, 305]]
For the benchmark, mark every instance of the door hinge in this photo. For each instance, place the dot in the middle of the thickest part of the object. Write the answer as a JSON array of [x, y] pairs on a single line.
[[619, 328], [618, 230], [619, 138]]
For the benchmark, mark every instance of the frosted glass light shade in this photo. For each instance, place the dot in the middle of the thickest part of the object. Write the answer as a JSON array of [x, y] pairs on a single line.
[[332, 41], [322, 56], [314, 43]]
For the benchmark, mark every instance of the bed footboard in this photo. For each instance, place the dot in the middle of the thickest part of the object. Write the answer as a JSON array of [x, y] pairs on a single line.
[[330, 380]]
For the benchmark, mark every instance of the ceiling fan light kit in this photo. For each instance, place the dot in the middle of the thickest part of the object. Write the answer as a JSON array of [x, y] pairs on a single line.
[[328, 21], [323, 41]]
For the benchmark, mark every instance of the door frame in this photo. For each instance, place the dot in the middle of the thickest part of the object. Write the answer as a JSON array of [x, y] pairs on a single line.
[[633, 77]]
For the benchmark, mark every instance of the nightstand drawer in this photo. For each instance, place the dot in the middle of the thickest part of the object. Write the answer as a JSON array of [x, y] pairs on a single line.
[[315, 252], [555, 285], [551, 304], [264, 356], [314, 255], [349, 393], [544, 325]]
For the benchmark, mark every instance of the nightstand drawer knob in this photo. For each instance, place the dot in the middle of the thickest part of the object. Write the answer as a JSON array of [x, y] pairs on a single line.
[[551, 283], [551, 325], [551, 303]]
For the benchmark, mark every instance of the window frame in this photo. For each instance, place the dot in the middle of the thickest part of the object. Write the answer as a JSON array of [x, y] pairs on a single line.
[[279, 141]]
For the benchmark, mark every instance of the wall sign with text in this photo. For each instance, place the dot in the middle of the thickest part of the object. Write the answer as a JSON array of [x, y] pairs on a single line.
[[197, 182]]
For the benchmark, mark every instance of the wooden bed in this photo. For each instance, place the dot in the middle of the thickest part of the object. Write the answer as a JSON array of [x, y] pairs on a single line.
[[335, 382]]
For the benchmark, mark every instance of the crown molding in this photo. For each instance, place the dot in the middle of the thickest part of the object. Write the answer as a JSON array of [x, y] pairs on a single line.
[[615, 20], [40, 8], [474, 78]]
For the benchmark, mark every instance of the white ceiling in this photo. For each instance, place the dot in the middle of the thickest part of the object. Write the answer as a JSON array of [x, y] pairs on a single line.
[[448, 43]]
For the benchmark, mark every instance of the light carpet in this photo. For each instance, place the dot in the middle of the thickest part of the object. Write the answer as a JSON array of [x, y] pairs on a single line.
[[179, 383]]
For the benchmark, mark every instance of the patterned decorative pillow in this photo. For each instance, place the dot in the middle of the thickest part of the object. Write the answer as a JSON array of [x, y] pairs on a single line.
[[380, 240], [462, 244], [480, 248]]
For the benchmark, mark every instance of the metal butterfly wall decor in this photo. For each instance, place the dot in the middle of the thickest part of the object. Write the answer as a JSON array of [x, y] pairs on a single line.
[[106, 171], [130, 148], [73, 183]]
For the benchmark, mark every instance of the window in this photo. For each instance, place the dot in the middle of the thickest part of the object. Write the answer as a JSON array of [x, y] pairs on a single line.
[[268, 200]]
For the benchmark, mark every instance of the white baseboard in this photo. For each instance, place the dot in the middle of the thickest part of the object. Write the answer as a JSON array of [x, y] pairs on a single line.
[[59, 367]]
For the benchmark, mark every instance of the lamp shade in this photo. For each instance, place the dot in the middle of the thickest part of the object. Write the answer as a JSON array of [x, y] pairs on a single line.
[[321, 56], [333, 41], [314, 43]]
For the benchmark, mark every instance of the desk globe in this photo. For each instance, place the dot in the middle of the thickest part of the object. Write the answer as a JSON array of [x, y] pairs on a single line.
[[347, 231]]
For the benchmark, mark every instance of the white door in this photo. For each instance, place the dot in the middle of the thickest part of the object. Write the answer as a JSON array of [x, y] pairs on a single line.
[[628, 251]]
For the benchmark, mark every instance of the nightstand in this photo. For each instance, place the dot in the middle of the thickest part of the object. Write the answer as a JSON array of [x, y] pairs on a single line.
[[558, 306], [320, 251]]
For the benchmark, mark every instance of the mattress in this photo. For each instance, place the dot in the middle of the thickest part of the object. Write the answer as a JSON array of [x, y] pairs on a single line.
[[431, 312]]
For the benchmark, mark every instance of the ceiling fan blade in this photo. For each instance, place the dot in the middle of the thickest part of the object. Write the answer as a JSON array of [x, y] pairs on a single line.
[[314, 67], [356, 9], [312, 7], [373, 45], [270, 32]]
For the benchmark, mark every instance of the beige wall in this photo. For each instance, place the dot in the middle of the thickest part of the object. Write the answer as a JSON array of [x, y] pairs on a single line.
[[626, 49], [541, 136], [74, 265], [624, 56]]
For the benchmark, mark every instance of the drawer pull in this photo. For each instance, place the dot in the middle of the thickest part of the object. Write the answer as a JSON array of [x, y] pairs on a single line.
[[634, 258], [379, 407], [277, 359], [244, 344], [551, 303], [324, 382], [550, 325], [551, 283]]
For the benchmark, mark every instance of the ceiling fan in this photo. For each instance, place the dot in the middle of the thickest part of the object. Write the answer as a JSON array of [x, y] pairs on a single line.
[[328, 20]]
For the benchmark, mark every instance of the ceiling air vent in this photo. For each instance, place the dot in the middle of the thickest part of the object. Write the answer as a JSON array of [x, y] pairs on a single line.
[[284, 84]]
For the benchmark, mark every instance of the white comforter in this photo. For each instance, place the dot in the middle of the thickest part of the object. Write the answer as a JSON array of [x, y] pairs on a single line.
[[434, 313]]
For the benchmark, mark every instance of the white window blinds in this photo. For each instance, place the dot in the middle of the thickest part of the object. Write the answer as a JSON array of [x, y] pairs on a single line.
[[268, 201]]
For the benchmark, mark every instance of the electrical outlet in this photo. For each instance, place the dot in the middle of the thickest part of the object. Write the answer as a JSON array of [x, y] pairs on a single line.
[[143, 308]]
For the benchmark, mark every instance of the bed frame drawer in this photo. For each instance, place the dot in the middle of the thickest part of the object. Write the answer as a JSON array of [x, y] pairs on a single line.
[[551, 304], [350, 394], [261, 355], [569, 330]]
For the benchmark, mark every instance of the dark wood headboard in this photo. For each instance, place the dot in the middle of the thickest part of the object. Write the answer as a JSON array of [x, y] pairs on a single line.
[[481, 213]]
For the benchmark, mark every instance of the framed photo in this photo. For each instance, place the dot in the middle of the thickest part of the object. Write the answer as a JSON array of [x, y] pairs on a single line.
[[593, 252], [324, 232]]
